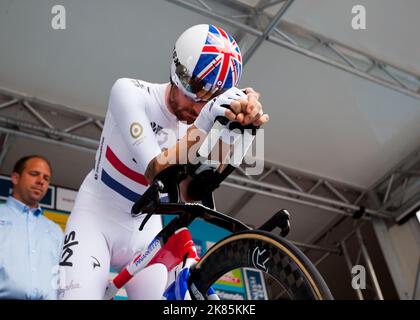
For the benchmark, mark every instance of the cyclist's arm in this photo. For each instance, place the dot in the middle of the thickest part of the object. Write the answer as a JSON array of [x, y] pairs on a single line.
[[245, 108], [127, 104], [182, 152]]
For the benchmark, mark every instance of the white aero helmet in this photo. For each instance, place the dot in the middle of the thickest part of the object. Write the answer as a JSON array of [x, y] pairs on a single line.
[[206, 61]]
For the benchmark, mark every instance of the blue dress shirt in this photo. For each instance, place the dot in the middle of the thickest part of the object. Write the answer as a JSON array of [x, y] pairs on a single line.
[[30, 248]]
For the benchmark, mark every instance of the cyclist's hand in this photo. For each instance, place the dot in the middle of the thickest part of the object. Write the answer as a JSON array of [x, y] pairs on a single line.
[[249, 110], [217, 107]]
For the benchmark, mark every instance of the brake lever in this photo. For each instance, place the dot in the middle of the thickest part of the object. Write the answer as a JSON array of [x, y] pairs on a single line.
[[148, 202], [143, 223]]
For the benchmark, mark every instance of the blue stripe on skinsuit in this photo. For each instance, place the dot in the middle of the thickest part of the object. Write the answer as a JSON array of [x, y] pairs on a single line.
[[118, 187]]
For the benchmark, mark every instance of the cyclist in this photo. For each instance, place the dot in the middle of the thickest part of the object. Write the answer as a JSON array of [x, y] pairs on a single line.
[[136, 144]]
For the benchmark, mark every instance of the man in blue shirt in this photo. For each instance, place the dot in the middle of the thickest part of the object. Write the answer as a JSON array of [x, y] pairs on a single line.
[[30, 244]]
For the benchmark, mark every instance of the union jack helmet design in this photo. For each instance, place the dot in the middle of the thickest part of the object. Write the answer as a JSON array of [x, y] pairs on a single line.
[[206, 61]]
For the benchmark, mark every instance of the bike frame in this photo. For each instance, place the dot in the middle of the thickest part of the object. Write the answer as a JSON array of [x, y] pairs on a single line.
[[178, 251], [173, 246]]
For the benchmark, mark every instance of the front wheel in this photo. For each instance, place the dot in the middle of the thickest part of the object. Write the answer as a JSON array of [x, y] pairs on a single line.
[[289, 273]]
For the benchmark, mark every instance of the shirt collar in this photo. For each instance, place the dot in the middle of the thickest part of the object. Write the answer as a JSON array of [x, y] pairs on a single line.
[[21, 207], [163, 106]]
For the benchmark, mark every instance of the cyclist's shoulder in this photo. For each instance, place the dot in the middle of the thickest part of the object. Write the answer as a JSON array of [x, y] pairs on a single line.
[[129, 91], [135, 96], [134, 84]]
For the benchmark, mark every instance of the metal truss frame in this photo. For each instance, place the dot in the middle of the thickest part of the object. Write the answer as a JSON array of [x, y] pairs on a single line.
[[399, 190], [297, 187], [340, 249], [255, 21], [39, 128]]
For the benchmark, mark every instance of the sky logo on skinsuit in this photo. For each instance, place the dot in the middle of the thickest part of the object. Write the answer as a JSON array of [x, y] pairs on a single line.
[[69, 242]]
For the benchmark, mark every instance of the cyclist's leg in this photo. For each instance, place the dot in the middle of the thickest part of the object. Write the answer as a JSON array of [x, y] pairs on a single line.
[[150, 283], [85, 260]]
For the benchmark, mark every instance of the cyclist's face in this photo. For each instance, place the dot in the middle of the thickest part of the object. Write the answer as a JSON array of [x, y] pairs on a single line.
[[184, 108]]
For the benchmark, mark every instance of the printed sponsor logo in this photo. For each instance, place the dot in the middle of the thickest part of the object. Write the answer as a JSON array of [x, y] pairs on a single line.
[[255, 285], [70, 286], [95, 263], [137, 83], [230, 278], [258, 260], [136, 131], [69, 242], [225, 295], [140, 85], [149, 250], [155, 127], [197, 294], [99, 159]]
